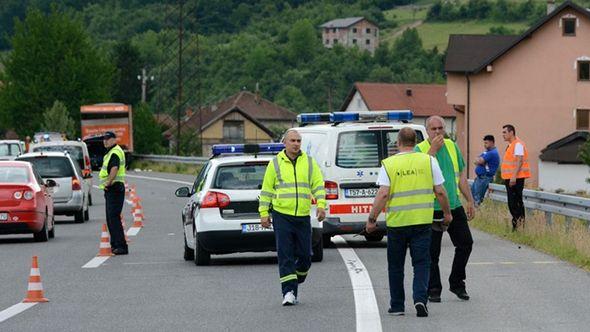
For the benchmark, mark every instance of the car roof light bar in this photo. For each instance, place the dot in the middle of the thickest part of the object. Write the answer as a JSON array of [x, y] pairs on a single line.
[[339, 117], [261, 148]]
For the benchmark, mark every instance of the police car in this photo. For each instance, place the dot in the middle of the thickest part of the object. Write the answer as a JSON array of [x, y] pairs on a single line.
[[221, 214], [349, 148]]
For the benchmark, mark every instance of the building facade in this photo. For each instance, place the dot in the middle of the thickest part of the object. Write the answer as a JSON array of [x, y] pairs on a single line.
[[351, 32]]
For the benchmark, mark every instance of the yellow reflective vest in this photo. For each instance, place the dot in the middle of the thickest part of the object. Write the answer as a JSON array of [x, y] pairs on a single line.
[[411, 196], [289, 188], [424, 146], [104, 172]]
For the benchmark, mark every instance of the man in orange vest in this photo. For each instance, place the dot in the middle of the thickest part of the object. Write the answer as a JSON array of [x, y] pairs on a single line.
[[515, 168]]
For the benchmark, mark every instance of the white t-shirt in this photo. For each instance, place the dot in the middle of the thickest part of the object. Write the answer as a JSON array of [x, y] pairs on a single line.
[[437, 176], [518, 149]]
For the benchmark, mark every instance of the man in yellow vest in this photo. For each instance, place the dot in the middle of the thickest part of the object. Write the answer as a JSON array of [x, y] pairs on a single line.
[[406, 184], [112, 181], [451, 163], [290, 181], [515, 169]]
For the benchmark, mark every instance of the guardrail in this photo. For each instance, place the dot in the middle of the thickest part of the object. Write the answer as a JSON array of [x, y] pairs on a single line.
[[550, 203], [172, 159]]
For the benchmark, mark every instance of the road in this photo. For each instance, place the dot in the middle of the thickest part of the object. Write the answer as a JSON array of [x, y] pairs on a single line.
[[154, 289]]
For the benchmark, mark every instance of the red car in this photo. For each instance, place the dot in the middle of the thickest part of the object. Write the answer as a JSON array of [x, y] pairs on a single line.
[[26, 205]]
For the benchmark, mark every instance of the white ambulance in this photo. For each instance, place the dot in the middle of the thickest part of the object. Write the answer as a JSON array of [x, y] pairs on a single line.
[[349, 148]]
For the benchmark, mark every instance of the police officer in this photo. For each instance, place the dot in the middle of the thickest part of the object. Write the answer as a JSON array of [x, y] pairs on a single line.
[[112, 181], [406, 183], [290, 181]]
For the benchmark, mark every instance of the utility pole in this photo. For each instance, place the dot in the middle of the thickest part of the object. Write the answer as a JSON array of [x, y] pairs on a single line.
[[179, 106], [144, 78]]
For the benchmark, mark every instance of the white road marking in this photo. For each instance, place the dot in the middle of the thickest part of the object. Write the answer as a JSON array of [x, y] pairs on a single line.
[[148, 263], [95, 262], [132, 231], [514, 263], [157, 179], [365, 302], [170, 234], [15, 310]]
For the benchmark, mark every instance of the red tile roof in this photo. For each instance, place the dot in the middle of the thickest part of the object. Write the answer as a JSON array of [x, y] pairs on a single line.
[[425, 99]]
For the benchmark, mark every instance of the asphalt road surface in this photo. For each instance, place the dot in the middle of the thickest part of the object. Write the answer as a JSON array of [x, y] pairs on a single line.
[[154, 289]]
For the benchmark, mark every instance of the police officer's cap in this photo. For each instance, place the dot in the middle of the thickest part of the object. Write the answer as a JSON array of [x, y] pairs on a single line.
[[109, 134]]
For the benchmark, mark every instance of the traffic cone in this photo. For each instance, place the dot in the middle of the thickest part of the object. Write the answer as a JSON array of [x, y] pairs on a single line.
[[137, 209], [124, 232], [105, 244], [35, 289], [137, 220], [132, 193]]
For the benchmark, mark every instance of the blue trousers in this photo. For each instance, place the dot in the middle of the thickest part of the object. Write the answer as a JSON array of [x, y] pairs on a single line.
[[293, 238], [479, 187], [417, 238]]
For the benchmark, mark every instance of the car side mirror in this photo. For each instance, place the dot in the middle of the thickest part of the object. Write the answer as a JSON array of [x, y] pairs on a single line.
[[50, 183], [183, 192]]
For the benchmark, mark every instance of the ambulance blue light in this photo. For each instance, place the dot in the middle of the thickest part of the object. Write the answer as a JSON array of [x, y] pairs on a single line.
[[313, 117], [247, 148], [400, 115], [344, 117]]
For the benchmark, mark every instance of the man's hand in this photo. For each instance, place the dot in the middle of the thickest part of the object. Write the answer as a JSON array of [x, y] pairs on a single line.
[[512, 182], [470, 210], [265, 222], [447, 218], [437, 143], [370, 226], [320, 214]]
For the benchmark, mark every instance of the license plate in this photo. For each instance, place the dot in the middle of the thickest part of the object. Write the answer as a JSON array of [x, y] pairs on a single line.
[[364, 192], [254, 228], [3, 216]]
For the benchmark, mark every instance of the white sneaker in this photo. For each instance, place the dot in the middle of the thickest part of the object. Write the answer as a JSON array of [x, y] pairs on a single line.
[[289, 299]]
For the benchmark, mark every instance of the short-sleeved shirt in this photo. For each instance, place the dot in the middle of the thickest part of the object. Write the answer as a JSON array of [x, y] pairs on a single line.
[[115, 162], [492, 162], [446, 165], [518, 149], [437, 177]]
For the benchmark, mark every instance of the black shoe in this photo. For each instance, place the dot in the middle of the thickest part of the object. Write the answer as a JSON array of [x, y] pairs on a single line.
[[395, 312], [461, 293], [434, 297], [421, 310], [120, 251]]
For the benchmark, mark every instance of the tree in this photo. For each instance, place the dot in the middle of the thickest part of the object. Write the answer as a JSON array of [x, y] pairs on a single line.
[[128, 63], [147, 135], [52, 59], [58, 119], [303, 41]]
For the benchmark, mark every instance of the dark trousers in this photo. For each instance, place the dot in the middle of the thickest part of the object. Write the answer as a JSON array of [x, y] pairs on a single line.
[[417, 238], [293, 239], [114, 205], [461, 237], [515, 204]]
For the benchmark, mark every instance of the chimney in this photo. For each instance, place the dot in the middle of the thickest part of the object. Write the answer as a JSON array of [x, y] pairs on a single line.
[[257, 92], [408, 92], [550, 6]]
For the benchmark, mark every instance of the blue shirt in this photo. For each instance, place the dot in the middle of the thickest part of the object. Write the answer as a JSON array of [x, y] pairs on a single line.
[[492, 161]]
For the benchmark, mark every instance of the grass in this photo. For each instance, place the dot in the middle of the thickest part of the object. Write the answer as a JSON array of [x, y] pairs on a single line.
[[407, 14], [570, 243], [177, 168]]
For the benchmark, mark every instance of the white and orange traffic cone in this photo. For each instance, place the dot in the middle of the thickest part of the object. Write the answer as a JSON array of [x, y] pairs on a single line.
[[124, 231], [132, 193], [35, 289], [105, 244], [138, 209]]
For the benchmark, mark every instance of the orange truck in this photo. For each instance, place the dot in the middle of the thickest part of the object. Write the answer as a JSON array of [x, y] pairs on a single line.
[[115, 117]]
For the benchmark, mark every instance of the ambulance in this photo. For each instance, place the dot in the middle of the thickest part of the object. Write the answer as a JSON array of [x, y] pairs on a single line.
[[349, 148]]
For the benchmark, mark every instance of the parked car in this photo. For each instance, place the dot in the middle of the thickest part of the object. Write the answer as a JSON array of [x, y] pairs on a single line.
[[97, 151], [48, 136], [70, 196], [78, 152], [10, 149], [26, 204]]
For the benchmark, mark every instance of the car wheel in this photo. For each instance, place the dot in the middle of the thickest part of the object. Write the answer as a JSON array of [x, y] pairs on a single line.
[[79, 216], [374, 238], [327, 241], [189, 253], [318, 251], [201, 256], [89, 200], [43, 234], [52, 231]]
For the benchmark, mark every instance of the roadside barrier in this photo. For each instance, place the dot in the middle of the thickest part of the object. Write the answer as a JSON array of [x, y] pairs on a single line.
[[35, 288], [105, 244]]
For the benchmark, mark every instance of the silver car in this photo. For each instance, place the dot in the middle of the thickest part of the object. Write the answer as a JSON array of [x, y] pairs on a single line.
[[10, 149], [70, 196]]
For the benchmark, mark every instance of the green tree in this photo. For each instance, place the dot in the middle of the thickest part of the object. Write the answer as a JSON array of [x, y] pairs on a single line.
[[56, 118], [303, 41], [128, 63], [147, 135], [52, 59]]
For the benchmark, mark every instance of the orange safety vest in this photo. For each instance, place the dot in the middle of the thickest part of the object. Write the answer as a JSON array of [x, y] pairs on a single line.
[[510, 162]]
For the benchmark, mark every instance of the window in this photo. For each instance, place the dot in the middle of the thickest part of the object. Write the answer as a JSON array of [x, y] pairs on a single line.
[[583, 70], [368, 30], [75, 152], [240, 177], [9, 150], [569, 26], [353, 30], [582, 119], [52, 167], [12, 174], [334, 30], [335, 41], [354, 41], [198, 184], [368, 42], [233, 131], [327, 41]]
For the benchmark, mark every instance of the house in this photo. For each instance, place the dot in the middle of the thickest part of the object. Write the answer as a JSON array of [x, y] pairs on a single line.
[[164, 120], [350, 32], [538, 81], [244, 117], [561, 157], [423, 100]]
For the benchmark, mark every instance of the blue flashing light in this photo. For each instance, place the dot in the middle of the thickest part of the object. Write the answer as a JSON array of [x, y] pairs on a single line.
[[400, 116], [313, 117], [247, 148], [344, 117]]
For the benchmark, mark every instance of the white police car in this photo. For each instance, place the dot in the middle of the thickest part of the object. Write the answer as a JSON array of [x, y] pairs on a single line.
[[349, 148], [221, 215]]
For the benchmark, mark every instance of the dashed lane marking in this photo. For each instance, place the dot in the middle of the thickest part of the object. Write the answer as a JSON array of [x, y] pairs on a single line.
[[95, 262], [132, 231], [15, 310], [365, 302]]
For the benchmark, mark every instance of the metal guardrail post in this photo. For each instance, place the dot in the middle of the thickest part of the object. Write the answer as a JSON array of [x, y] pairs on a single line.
[[549, 218], [568, 223]]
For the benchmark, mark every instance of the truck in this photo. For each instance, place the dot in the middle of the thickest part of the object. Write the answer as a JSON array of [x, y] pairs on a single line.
[[99, 118]]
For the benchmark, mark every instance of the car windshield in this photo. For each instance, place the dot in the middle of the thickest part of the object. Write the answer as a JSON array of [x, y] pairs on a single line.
[[52, 167], [14, 174], [75, 151], [9, 150], [240, 177]]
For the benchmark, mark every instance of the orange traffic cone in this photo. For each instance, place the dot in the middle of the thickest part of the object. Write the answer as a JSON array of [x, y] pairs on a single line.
[[137, 220], [124, 232], [105, 244], [137, 209], [35, 289], [132, 193]]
